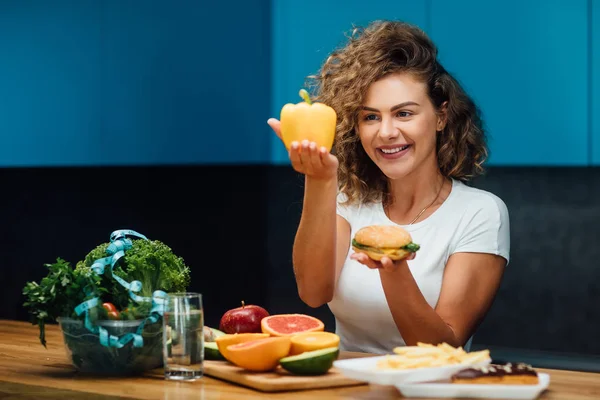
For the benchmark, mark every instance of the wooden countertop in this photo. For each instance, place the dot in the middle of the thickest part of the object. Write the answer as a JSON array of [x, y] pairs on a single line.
[[28, 370]]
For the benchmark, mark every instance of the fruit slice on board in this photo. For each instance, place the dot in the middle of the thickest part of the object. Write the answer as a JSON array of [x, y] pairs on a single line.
[[211, 351], [259, 355], [316, 362], [310, 341], [227, 340], [211, 333], [290, 324]]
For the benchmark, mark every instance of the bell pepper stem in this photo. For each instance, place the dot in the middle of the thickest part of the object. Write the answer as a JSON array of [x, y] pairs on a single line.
[[305, 96]]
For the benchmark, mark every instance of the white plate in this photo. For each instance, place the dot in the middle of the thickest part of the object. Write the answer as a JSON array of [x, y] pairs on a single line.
[[365, 369], [490, 391]]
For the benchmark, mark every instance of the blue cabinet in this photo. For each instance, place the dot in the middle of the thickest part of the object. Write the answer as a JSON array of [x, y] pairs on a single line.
[[104, 83], [50, 91], [130, 83], [187, 82], [526, 64], [305, 32], [595, 75]]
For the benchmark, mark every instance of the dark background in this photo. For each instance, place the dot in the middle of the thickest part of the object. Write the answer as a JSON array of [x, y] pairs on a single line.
[[234, 226]]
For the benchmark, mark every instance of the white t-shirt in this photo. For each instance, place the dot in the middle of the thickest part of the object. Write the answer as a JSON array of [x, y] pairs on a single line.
[[469, 220]]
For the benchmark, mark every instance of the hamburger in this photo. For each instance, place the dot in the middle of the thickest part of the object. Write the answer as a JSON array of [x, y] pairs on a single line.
[[378, 241]]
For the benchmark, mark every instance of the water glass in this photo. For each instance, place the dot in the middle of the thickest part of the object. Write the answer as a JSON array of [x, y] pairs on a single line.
[[183, 337]]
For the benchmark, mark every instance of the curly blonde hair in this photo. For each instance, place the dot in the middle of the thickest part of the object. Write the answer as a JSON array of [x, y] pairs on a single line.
[[382, 48]]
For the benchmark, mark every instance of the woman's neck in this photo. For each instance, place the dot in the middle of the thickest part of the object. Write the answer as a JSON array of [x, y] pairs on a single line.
[[425, 188]]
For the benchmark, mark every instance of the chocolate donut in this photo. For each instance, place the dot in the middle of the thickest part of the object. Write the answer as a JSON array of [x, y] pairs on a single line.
[[504, 374]]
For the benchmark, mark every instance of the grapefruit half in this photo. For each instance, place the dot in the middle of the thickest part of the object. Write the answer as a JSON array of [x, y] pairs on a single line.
[[223, 342], [259, 355], [290, 324], [311, 341]]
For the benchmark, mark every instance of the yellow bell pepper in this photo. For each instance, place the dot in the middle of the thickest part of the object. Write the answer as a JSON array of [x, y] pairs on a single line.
[[310, 121]]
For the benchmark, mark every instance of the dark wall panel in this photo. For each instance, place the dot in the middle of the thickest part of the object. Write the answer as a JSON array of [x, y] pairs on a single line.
[[212, 217]]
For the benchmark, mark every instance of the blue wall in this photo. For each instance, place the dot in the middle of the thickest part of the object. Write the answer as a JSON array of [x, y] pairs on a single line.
[[595, 77], [113, 82], [134, 82], [525, 63]]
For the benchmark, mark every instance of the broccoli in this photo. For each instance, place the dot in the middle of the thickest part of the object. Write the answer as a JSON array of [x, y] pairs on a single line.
[[154, 264], [149, 261]]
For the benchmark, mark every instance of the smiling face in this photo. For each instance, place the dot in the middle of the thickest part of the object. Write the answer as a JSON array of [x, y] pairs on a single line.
[[397, 126]]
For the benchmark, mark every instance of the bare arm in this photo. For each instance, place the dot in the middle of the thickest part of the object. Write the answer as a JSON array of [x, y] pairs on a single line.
[[321, 245], [470, 283], [469, 286], [314, 246], [322, 240]]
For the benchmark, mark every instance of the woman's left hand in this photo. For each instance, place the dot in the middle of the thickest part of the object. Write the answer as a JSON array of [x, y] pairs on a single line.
[[386, 263]]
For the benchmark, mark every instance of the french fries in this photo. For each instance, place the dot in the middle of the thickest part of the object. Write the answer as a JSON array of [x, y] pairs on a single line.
[[425, 355]]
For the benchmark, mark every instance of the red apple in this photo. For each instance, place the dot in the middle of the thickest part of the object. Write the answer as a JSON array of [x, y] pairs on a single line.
[[244, 319]]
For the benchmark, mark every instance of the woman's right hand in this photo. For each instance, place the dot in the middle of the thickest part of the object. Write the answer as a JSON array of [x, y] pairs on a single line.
[[307, 158]]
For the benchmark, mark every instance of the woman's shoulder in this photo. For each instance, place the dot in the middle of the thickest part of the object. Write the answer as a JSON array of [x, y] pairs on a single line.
[[484, 224], [476, 200]]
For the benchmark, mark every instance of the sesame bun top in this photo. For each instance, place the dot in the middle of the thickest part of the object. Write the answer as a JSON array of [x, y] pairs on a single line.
[[383, 236]]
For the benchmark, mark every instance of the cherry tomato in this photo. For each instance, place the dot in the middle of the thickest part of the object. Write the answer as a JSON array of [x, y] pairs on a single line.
[[113, 315], [111, 310], [109, 307]]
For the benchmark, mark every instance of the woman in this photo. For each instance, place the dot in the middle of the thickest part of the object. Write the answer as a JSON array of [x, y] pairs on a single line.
[[407, 140]]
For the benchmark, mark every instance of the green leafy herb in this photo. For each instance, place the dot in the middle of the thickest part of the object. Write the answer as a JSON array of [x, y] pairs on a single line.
[[57, 294], [364, 247], [412, 247]]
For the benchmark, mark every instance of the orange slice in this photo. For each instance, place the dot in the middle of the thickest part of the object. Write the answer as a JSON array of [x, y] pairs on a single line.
[[310, 341], [290, 324], [223, 342], [260, 355]]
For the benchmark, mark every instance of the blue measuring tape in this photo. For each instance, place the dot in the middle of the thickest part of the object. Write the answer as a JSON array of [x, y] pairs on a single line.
[[119, 243]]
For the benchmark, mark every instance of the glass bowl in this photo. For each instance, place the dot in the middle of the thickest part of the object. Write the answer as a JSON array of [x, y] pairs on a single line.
[[89, 356]]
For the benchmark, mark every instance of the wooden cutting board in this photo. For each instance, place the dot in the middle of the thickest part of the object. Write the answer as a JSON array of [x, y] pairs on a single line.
[[279, 380]]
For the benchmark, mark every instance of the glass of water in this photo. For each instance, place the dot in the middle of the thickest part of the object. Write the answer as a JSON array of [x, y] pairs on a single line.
[[183, 336]]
